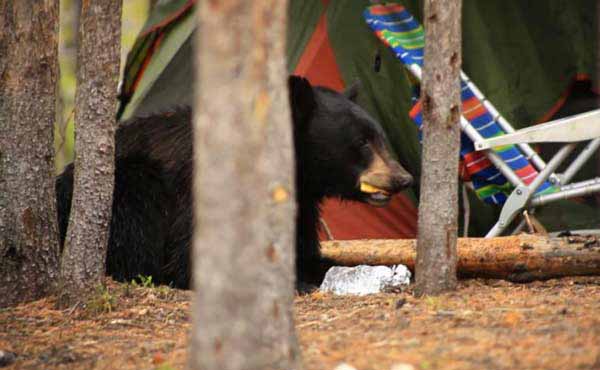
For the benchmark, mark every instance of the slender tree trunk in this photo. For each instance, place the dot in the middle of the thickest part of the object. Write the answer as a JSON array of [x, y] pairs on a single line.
[[28, 76], [243, 247], [438, 206], [84, 254]]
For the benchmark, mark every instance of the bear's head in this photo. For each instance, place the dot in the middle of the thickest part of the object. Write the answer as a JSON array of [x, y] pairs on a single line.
[[341, 150]]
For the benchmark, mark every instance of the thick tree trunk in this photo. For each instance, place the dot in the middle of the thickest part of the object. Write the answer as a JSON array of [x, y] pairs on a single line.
[[28, 76], [515, 258], [438, 205], [84, 254], [243, 247]]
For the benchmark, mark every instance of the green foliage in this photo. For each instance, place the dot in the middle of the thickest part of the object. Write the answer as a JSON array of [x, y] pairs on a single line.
[[144, 281], [434, 303], [102, 301]]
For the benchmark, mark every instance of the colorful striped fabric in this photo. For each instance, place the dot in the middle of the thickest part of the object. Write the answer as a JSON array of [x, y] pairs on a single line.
[[398, 29]]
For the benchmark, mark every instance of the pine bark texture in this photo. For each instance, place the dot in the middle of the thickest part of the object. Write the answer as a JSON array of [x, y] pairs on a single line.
[[28, 77], [84, 255], [516, 258], [438, 205], [244, 240]]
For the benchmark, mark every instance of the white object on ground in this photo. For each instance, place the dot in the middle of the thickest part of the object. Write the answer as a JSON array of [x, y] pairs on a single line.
[[344, 366], [403, 366], [363, 279]]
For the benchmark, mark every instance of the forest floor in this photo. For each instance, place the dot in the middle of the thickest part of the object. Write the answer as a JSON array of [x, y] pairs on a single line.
[[486, 324]]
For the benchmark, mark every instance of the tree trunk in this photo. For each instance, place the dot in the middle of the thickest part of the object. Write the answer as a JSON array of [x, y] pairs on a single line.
[[84, 254], [28, 77], [438, 205], [516, 258], [243, 247]]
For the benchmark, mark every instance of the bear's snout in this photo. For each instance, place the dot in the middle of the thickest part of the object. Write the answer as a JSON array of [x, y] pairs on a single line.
[[391, 180], [400, 178], [385, 174], [383, 178]]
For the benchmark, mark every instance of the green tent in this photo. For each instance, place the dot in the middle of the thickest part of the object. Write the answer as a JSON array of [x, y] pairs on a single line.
[[524, 55]]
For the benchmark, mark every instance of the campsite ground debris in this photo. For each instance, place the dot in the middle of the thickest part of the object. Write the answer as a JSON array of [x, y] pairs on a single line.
[[486, 324], [7, 358]]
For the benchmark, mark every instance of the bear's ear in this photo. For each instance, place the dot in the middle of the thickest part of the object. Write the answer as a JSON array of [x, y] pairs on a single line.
[[351, 91], [302, 100]]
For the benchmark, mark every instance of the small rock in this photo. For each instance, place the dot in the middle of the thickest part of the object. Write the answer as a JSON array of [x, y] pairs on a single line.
[[363, 279], [118, 322], [400, 303], [344, 366], [563, 311], [7, 358], [142, 312]]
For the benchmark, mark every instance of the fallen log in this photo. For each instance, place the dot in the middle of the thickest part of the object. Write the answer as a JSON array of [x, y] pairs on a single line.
[[519, 258]]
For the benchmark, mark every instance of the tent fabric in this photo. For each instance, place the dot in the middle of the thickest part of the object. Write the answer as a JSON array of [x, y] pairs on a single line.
[[163, 27], [531, 51], [523, 54], [317, 62], [303, 19]]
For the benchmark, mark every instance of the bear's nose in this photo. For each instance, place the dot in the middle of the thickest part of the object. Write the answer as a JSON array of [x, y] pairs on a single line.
[[406, 180], [401, 182], [401, 179]]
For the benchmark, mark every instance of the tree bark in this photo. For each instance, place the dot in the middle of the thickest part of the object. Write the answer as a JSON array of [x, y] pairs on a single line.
[[516, 258], [84, 255], [438, 205], [244, 240], [28, 77]]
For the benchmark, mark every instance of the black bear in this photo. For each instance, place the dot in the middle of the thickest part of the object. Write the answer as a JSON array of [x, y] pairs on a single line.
[[340, 152]]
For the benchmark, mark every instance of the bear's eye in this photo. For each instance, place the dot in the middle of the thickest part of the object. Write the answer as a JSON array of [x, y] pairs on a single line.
[[364, 148], [363, 143]]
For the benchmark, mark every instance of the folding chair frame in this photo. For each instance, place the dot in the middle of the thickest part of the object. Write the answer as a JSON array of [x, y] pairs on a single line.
[[523, 196]]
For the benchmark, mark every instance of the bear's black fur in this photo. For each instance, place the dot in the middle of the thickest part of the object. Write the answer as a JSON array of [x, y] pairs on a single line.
[[338, 147]]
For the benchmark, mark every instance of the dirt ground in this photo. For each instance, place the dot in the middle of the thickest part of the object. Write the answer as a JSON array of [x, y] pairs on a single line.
[[486, 324]]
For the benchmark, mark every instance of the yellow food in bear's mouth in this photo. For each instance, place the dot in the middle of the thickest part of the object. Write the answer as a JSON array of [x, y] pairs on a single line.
[[370, 189]]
